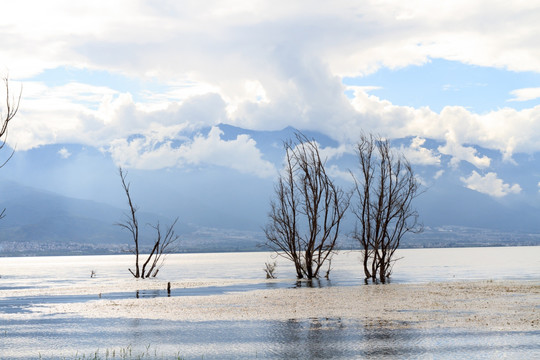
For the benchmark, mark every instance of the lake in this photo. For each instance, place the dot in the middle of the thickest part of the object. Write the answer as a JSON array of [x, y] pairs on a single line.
[[25, 335]]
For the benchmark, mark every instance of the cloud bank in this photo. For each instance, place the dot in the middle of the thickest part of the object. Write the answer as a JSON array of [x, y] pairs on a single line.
[[490, 184], [263, 67]]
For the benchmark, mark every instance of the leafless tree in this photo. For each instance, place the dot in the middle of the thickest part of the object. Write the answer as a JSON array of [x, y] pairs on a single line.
[[305, 216], [11, 109], [162, 245], [270, 269], [384, 192]]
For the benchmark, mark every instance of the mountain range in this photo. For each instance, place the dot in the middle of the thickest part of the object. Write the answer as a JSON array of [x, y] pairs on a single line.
[[65, 199]]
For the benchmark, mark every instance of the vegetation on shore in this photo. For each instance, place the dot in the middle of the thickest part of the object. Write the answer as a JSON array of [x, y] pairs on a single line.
[[126, 353]]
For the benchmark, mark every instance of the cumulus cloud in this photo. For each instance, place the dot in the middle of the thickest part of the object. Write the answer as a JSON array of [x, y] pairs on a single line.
[[490, 184], [438, 174], [64, 153], [416, 154], [92, 115], [463, 153], [351, 38], [506, 130], [259, 66], [335, 172], [525, 94], [329, 153], [240, 154]]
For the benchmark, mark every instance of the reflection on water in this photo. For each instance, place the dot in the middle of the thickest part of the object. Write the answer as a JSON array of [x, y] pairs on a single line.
[[62, 336], [293, 339], [416, 265], [313, 283], [22, 303]]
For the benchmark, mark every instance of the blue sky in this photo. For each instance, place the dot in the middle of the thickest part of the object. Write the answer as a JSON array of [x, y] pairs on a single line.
[[440, 83], [436, 84], [463, 75]]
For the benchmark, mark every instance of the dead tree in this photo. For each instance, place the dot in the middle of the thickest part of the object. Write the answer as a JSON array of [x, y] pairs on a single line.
[[385, 188], [305, 216], [11, 109], [162, 245]]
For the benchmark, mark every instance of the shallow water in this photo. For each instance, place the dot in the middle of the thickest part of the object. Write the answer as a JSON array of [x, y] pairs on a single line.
[[56, 335], [414, 266], [53, 338]]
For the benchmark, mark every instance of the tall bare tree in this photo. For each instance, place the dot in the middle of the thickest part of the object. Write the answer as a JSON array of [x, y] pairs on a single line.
[[163, 243], [11, 109], [305, 216], [384, 192]]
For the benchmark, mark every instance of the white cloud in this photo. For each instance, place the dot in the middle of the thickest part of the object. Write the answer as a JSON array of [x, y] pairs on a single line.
[[329, 153], [525, 94], [421, 180], [353, 38], [416, 154], [79, 113], [64, 153], [261, 66], [462, 153], [490, 184], [438, 174], [240, 154], [335, 172]]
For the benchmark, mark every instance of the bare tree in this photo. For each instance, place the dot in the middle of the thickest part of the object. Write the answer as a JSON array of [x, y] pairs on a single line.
[[270, 269], [305, 216], [385, 190], [162, 245], [11, 109]]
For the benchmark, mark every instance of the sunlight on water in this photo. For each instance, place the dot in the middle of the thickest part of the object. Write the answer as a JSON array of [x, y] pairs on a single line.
[[57, 335], [293, 339], [414, 266]]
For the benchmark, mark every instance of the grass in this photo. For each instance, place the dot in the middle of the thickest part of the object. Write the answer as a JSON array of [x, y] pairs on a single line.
[[126, 353]]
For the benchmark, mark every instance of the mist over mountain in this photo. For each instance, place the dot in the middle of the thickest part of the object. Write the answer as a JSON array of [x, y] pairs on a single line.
[[71, 194]]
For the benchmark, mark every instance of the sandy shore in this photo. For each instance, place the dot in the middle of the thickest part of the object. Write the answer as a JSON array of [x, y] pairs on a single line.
[[504, 306]]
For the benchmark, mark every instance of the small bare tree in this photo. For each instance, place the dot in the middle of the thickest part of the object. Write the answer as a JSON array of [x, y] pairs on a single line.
[[385, 190], [11, 109], [162, 245], [305, 216], [270, 269]]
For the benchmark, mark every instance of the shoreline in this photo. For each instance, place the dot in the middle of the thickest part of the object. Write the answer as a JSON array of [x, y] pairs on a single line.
[[483, 305]]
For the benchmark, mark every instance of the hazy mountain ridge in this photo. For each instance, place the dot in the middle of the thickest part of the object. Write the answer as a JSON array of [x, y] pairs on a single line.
[[44, 223], [222, 209]]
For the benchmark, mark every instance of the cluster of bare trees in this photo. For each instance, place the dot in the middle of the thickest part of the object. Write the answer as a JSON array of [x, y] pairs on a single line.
[[305, 216], [163, 243], [11, 109], [385, 189]]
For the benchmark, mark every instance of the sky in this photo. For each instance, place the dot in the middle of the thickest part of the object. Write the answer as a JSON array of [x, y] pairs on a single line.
[[140, 80]]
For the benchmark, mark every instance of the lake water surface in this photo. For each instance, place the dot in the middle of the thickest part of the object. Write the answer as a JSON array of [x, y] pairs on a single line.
[[56, 336]]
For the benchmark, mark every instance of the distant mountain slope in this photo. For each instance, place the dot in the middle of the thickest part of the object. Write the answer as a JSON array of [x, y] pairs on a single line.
[[221, 208], [40, 222]]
